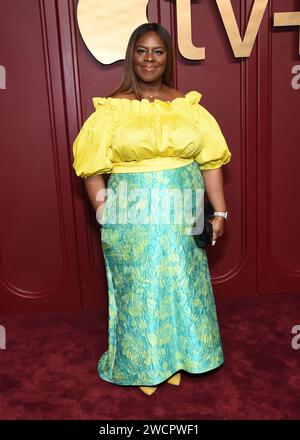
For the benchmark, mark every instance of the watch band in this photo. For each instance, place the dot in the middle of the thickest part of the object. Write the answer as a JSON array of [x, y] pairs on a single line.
[[221, 214]]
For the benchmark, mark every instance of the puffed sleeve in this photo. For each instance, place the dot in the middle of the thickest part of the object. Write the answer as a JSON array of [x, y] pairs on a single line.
[[90, 148], [214, 151]]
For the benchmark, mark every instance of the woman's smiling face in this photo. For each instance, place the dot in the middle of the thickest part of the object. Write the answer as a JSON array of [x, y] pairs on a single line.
[[150, 57]]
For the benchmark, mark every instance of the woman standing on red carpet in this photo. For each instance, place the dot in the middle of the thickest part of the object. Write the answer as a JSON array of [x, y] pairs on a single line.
[[153, 139]]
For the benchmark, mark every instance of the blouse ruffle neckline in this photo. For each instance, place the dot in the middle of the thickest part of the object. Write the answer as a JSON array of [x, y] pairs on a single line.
[[144, 105]]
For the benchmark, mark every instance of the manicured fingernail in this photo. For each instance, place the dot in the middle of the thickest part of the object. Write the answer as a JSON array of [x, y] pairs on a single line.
[[213, 242]]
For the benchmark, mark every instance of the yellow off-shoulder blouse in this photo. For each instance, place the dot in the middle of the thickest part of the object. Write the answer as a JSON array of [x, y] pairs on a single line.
[[124, 135]]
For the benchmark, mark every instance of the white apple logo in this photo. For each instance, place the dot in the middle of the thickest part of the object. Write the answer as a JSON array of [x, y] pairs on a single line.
[[106, 25]]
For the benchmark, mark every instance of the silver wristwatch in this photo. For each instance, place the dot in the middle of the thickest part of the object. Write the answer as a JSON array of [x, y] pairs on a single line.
[[221, 214]]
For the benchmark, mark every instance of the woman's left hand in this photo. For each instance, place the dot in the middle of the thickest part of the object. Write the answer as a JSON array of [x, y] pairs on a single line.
[[218, 228]]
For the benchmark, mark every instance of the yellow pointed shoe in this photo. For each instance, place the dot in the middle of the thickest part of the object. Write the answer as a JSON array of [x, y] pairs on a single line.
[[148, 390], [175, 380]]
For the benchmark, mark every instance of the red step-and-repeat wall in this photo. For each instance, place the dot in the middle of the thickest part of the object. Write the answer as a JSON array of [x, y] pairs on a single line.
[[51, 257]]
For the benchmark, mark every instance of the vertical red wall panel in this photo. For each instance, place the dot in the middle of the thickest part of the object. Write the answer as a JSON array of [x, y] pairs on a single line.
[[39, 256], [278, 239], [50, 255]]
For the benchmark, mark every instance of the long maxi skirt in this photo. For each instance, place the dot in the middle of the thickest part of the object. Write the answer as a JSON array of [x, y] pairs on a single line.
[[162, 313]]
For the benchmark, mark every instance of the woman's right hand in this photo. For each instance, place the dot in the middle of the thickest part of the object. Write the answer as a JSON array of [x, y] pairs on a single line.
[[99, 212], [96, 190]]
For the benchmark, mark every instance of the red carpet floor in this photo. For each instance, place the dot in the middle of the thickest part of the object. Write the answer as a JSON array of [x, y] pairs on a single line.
[[49, 369]]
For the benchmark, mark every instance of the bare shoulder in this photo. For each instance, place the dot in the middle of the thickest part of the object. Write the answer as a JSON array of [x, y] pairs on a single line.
[[173, 93], [170, 93], [178, 94], [123, 95]]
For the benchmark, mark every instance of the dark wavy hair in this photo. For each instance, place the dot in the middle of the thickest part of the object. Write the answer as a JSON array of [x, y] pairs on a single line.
[[129, 83]]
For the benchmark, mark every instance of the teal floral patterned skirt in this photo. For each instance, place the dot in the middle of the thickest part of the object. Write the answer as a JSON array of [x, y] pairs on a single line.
[[162, 313]]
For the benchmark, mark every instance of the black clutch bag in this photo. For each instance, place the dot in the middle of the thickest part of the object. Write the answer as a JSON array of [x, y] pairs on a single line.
[[206, 235]]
